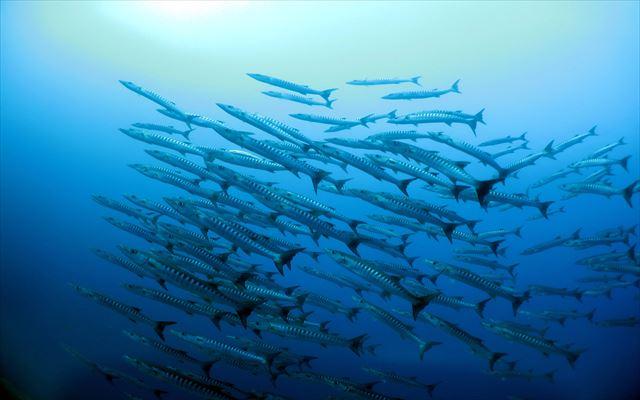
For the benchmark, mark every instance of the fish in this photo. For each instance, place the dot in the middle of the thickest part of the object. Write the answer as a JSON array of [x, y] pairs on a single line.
[[388, 376], [545, 346], [570, 142], [619, 322], [384, 81], [507, 139], [163, 128], [299, 99], [599, 153], [555, 242], [163, 141], [600, 162], [510, 150], [405, 331], [487, 286], [390, 284], [132, 313], [602, 189], [156, 98], [294, 87], [422, 94], [438, 116], [321, 119]]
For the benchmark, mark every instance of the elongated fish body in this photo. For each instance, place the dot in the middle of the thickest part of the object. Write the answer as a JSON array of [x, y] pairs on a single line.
[[183, 381], [176, 180], [220, 349], [487, 263], [419, 173], [510, 150], [132, 313], [553, 177], [405, 331], [163, 128], [600, 162], [571, 142], [178, 233], [454, 171], [163, 348], [422, 94], [388, 283], [303, 200], [467, 148], [437, 116], [188, 306], [503, 140], [321, 119], [440, 211], [397, 135], [295, 166], [601, 189], [477, 281], [365, 165], [607, 148], [545, 346], [242, 159], [356, 143], [148, 235], [121, 262], [332, 306], [313, 335], [122, 207], [294, 87], [384, 81], [163, 141], [480, 251], [299, 99], [168, 105], [372, 118], [518, 201], [388, 376], [475, 344], [554, 291], [156, 207], [500, 233], [555, 242], [184, 164], [453, 302]]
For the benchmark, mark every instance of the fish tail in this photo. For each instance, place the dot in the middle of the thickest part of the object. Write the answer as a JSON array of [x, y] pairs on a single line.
[[416, 79], [454, 87], [511, 268], [403, 184], [484, 187], [316, 177], [628, 192], [431, 387], [548, 150], [481, 306], [624, 162], [456, 190], [187, 132], [448, 229], [420, 302], [352, 313], [494, 358], [206, 367], [523, 136], [356, 343], [572, 356], [285, 258], [473, 123], [326, 93], [517, 302], [592, 131], [544, 208], [329, 103], [244, 312], [339, 184], [159, 327], [479, 117], [426, 346], [353, 245]]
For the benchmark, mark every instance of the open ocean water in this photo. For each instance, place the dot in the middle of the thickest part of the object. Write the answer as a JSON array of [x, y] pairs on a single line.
[[551, 69]]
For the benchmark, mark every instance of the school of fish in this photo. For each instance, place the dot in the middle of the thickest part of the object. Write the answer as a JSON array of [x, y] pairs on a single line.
[[222, 248]]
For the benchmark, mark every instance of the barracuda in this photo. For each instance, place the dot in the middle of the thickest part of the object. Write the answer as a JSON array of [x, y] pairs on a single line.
[[475, 280], [134, 314]]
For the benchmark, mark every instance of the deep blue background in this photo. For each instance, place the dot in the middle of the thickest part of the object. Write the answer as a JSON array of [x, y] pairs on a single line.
[[59, 143]]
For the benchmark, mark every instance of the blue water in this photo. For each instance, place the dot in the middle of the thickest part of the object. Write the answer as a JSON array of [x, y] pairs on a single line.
[[551, 70]]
